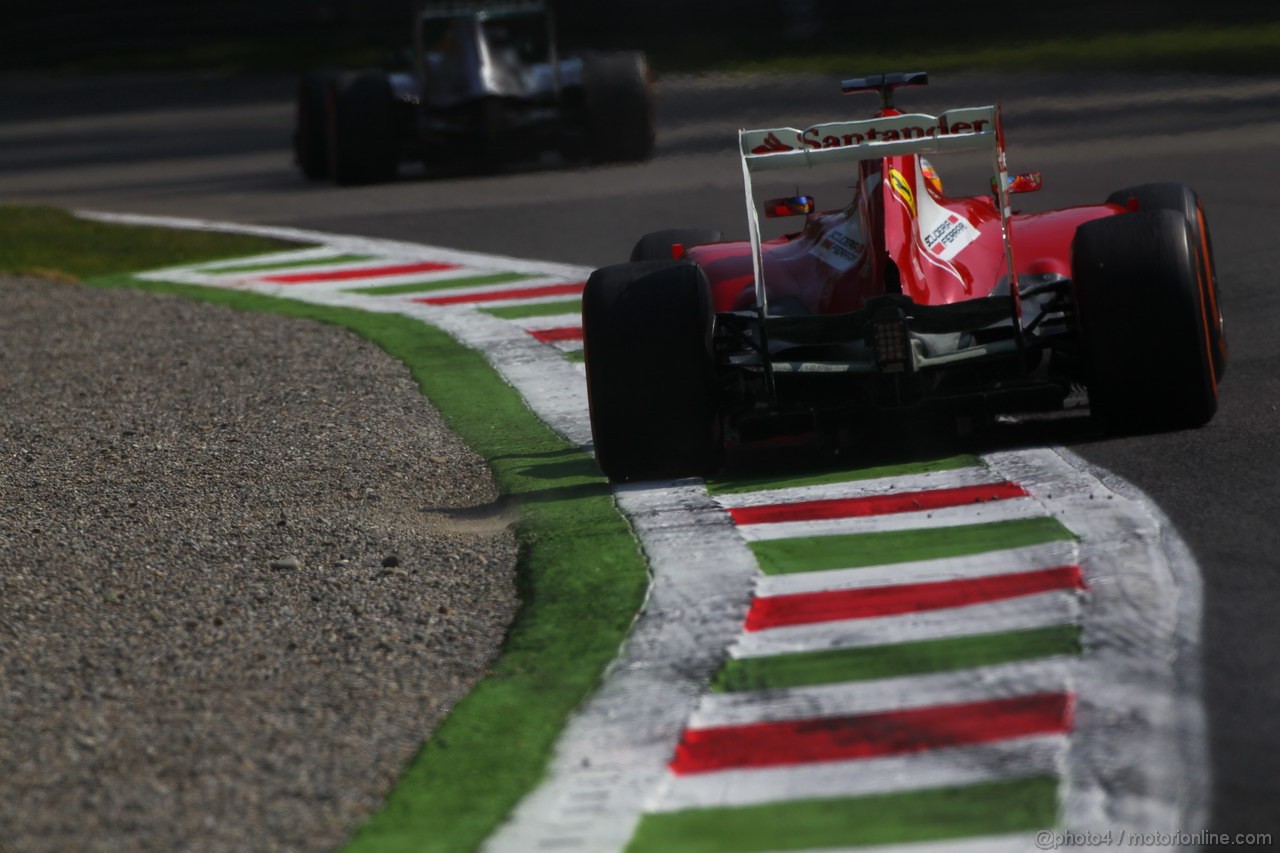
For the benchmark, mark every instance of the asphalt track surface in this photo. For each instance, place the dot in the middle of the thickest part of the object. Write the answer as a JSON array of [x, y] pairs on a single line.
[[217, 148]]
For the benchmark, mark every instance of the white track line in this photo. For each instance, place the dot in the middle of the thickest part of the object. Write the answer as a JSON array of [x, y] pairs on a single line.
[[1015, 758], [1143, 762]]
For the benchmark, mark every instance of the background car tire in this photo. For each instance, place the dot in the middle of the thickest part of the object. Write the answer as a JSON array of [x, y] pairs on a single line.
[[650, 370], [1143, 322], [311, 133], [656, 245], [619, 107], [1182, 199], [363, 147]]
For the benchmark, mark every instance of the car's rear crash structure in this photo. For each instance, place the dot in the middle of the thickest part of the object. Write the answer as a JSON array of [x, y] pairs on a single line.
[[905, 304]]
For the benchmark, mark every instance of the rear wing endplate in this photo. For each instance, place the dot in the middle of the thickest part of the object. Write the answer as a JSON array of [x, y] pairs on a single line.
[[967, 129]]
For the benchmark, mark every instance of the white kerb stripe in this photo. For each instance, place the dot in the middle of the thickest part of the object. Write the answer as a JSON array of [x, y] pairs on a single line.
[[884, 695], [532, 300], [1018, 614], [955, 516], [374, 281], [556, 321], [319, 255], [1016, 758], [974, 475]]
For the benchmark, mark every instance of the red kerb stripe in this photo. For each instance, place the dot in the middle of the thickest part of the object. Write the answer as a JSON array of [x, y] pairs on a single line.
[[805, 608], [872, 735], [565, 333], [499, 295], [876, 504], [362, 272]]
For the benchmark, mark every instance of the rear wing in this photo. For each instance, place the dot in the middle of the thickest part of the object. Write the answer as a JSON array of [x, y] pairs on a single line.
[[453, 8], [968, 129]]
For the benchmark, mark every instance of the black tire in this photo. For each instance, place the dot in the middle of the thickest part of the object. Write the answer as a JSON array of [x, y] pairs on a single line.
[[1182, 199], [650, 370], [363, 148], [619, 107], [1143, 323], [311, 132], [656, 245]]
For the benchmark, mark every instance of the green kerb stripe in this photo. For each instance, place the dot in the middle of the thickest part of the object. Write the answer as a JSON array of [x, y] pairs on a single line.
[[855, 550], [538, 309], [441, 284], [755, 484], [990, 808], [576, 355], [284, 265], [928, 656]]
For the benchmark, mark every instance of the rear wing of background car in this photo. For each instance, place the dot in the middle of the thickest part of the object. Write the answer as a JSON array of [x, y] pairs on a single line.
[[448, 8], [968, 129]]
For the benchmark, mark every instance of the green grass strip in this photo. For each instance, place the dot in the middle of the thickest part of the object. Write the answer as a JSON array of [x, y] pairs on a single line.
[[989, 808], [441, 284], [581, 579], [855, 550], [284, 265], [577, 355], [738, 485], [538, 309], [838, 666], [1250, 49], [48, 241]]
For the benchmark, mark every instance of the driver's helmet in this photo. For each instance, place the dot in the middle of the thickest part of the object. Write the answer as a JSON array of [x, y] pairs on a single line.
[[931, 176]]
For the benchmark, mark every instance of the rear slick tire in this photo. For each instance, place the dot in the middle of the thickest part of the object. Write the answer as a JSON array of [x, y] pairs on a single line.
[[647, 330], [1144, 324], [1182, 199], [362, 137], [620, 113], [311, 134]]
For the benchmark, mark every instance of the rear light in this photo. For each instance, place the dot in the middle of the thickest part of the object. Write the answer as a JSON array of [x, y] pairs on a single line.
[[891, 343]]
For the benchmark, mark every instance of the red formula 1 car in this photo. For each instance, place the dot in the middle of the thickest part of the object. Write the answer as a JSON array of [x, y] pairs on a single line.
[[907, 303]]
